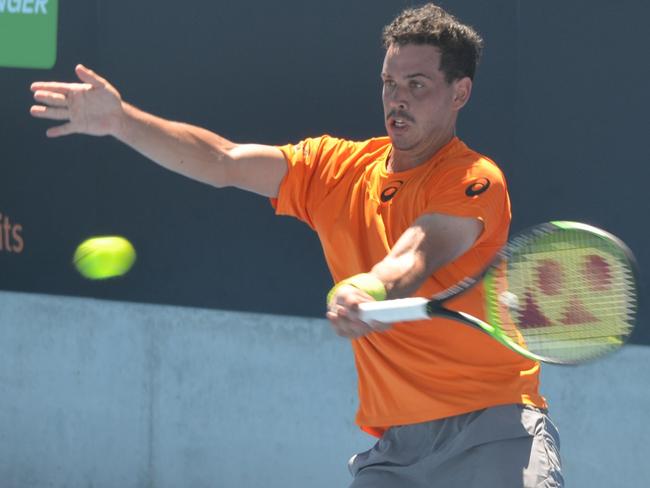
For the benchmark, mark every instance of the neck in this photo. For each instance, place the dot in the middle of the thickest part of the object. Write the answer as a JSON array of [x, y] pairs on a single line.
[[403, 160]]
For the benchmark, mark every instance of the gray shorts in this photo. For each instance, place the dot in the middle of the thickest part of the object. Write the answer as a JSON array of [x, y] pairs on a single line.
[[508, 446]]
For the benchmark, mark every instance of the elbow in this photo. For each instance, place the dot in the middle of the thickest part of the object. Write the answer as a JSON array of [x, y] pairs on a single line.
[[220, 170]]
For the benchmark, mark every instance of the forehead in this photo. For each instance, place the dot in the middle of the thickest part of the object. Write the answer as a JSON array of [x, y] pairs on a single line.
[[410, 59]]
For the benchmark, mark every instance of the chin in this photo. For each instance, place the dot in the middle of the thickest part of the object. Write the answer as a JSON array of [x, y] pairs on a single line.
[[400, 144]]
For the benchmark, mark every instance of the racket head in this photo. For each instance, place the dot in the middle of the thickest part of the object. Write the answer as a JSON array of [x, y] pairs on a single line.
[[562, 292]]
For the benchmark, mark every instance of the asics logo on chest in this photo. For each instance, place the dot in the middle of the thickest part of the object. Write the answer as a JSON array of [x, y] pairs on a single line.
[[389, 191]]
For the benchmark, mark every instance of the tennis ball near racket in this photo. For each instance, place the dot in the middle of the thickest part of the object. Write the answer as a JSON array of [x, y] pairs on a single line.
[[104, 257]]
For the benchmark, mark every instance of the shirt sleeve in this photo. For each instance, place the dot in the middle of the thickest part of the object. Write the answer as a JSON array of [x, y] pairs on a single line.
[[309, 169], [477, 189]]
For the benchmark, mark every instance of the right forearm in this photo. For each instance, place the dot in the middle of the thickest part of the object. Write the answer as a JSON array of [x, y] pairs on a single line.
[[186, 149]]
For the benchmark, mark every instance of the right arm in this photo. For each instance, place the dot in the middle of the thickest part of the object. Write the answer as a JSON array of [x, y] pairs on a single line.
[[95, 107]]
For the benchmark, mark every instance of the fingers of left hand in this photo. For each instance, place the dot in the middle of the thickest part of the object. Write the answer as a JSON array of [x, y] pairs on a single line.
[[54, 86], [50, 98], [50, 112]]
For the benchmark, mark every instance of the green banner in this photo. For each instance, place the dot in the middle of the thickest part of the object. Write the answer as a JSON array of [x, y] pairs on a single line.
[[28, 30]]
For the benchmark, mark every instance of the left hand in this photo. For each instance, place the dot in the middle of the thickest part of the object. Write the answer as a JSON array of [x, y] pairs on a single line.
[[343, 313], [93, 107]]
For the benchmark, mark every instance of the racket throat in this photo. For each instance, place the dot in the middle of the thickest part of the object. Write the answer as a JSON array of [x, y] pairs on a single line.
[[435, 309]]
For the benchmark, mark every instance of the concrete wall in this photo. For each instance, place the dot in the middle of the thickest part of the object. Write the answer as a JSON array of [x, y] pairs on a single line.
[[103, 394]]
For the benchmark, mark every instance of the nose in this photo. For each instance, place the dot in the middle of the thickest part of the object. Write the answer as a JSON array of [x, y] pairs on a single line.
[[397, 98]]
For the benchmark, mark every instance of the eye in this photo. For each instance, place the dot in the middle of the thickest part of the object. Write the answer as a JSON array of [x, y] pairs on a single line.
[[416, 84], [389, 83]]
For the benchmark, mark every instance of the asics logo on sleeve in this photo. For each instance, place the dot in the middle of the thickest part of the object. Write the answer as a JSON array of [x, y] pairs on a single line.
[[477, 187]]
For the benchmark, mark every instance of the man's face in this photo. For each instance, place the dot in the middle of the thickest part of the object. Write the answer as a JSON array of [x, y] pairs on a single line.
[[420, 107]]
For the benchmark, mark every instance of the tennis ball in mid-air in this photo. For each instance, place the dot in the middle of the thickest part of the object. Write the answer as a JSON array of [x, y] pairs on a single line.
[[104, 257]]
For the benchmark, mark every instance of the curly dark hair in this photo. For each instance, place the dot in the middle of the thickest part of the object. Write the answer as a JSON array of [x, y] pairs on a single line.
[[460, 45]]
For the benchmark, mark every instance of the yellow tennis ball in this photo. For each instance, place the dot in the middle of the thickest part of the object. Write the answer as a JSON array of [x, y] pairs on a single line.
[[104, 257]]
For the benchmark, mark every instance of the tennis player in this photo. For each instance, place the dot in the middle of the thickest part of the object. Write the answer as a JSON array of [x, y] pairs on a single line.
[[410, 213]]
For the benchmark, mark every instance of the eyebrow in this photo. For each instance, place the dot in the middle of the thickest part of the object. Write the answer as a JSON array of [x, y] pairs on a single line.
[[413, 75]]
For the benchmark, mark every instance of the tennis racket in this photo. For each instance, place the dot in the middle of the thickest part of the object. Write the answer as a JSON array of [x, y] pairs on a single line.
[[559, 292]]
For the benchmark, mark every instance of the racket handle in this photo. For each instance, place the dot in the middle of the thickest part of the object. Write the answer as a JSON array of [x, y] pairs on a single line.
[[402, 309]]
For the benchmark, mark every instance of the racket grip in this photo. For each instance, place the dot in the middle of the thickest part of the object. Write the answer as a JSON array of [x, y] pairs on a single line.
[[402, 309]]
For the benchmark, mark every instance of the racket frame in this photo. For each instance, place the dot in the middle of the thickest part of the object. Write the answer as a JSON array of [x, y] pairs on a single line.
[[419, 308]]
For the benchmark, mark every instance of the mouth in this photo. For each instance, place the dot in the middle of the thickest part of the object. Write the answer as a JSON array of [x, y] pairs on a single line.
[[399, 122], [397, 125]]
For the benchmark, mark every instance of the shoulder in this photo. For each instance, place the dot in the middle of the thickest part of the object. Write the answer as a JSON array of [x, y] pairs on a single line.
[[329, 152], [342, 148], [470, 164]]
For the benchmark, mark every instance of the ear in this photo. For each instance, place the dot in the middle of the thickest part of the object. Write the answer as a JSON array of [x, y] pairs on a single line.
[[462, 92]]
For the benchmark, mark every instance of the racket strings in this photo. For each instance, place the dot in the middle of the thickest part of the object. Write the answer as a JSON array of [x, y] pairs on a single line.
[[565, 296]]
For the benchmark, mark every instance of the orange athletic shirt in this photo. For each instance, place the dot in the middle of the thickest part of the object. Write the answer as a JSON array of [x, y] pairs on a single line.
[[422, 370]]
